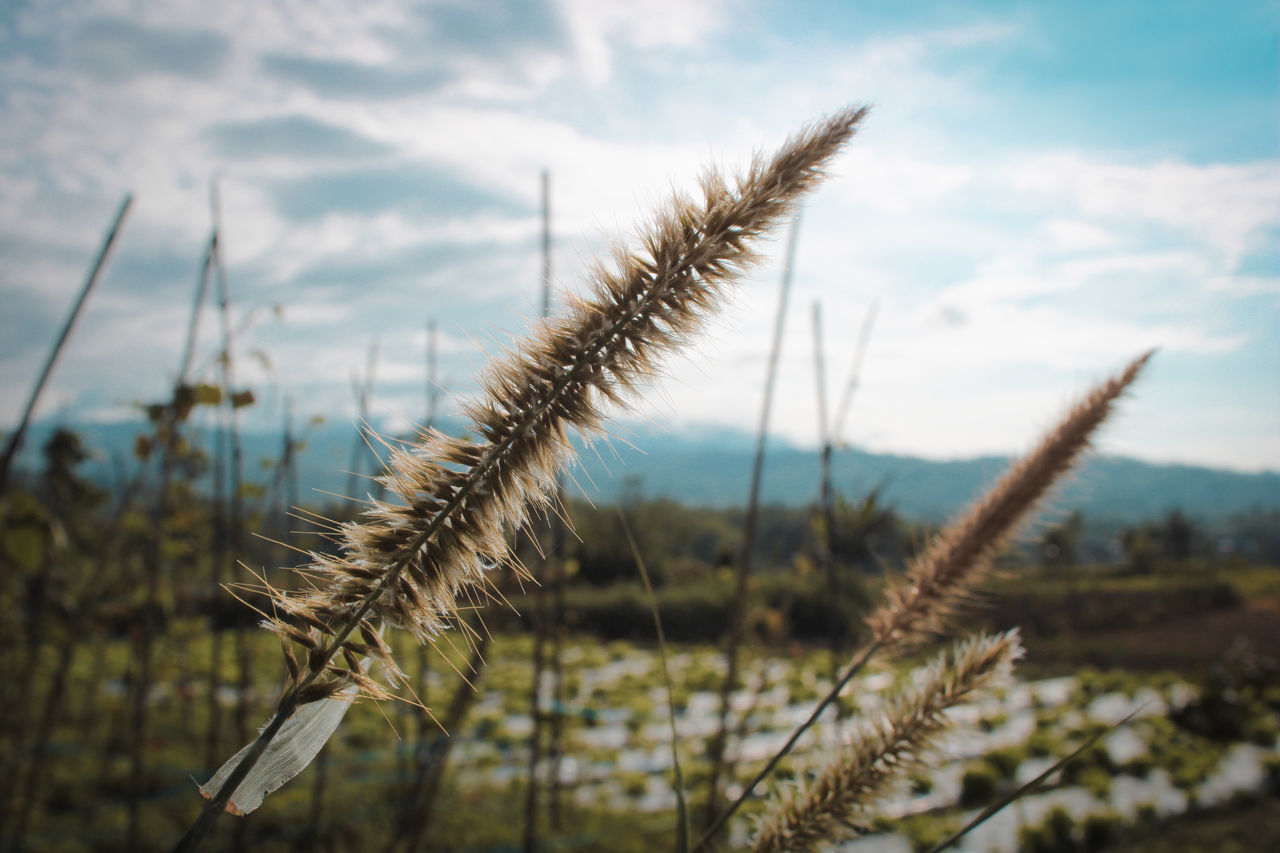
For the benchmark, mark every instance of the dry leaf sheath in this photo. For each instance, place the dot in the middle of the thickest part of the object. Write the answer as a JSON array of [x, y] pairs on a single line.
[[945, 575], [405, 565], [814, 815]]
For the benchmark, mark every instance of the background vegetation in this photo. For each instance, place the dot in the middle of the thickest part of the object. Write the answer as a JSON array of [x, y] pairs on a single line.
[[83, 612]]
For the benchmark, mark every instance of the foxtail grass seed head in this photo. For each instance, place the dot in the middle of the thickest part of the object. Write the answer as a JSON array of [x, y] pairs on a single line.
[[406, 562], [944, 577], [815, 815]]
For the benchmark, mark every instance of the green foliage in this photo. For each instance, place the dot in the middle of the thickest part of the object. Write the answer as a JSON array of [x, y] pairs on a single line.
[[634, 784], [1271, 772], [676, 541], [1101, 830], [1176, 538], [979, 785], [696, 610], [1055, 835], [60, 533], [1237, 700], [867, 532], [1056, 606], [1094, 683], [801, 689], [1095, 780], [1139, 766], [27, 534], [1044, 743], [1089, 766], [924, 831], [1188, 757], [993, 722], [1006, 761], [1060, 544], [1236, 827], [921, 784]]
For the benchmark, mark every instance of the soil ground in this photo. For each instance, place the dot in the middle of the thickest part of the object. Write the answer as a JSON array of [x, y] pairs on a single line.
[[1192, 640]]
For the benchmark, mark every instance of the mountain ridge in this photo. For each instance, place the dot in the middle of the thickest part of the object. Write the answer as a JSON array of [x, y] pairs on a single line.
[[712, 469]]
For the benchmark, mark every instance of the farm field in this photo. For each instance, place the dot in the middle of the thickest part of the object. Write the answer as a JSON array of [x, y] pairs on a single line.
[[614, 772]]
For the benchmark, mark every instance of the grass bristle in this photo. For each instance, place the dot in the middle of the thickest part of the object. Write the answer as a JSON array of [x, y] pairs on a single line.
[[405, 564]]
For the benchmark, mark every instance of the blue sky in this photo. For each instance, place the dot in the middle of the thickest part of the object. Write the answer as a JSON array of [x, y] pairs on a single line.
[[1042, 191]]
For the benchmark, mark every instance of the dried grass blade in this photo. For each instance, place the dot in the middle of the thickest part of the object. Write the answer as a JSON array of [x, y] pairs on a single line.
[[300, 740], [810, 816], [682, 805], [1031, 785]]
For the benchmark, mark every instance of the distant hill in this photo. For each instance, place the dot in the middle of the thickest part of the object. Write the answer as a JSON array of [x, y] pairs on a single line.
[[1103, 486], [712, 468]]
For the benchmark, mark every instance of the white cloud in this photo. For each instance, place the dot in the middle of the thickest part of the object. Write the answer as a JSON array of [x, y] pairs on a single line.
[[1078, 235], [646, 24], [1002, 278], [1228, 207], [898, 183], [1244, 285]]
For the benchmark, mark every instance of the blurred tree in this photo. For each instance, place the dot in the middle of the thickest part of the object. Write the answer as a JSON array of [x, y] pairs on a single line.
[[675, 540], [1179, 535], [867, 532], [69, 494], [1060, 544], [1140, 548]]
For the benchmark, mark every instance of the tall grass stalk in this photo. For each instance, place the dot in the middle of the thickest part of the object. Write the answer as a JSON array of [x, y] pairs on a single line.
[[217, 559], [418, 683], [232, 400], [14, 443], [682, 805], [557, 522], [826, 520], [362, 388], [742, 571], [830, 430], [406, 564], [433, 755], [1031, 784], [943, 578], [168, 428], [812, 815], [32, 774], [541, 619], [946, 575], [836, 434]]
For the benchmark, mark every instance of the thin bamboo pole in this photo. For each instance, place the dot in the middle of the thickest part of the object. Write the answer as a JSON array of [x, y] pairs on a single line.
[[362, 388], [234, 529], [826, 510], [738, 605], [95, 273], [855, 375], [829, 435], [416, 816], [539, 615], [153, 558]]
